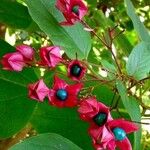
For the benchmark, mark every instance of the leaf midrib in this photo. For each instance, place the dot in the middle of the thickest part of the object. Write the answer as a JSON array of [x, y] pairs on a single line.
[[11, 81]]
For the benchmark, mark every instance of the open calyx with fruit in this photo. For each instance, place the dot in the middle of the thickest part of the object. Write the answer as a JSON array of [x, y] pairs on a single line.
[[105, 96]]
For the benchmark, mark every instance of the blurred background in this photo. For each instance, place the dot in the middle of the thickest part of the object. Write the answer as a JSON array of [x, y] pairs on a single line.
[[17, 27]]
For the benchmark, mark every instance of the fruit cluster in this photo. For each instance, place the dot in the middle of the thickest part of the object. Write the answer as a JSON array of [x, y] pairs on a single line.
[[106, 132]]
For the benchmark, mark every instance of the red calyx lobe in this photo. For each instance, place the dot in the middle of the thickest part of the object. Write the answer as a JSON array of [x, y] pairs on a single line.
[[76, 70], [63, 94]]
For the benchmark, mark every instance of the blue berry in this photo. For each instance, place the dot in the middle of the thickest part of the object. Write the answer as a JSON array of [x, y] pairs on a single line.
[[119, 134], [61, 94], [75, 9], [100, 119], [76, 70]]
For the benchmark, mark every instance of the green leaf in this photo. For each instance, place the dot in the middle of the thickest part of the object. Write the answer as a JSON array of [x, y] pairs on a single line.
[[47, 141], [5, 48], [15, 107], [103, 94], [65, 122], [133, 110], [129, 102], [92, 3], [15, 15], [138, 64], [72, 39], [108, 66], [138, 25]]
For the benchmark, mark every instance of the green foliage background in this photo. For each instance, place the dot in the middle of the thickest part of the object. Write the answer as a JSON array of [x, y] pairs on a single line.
[[36, 22]]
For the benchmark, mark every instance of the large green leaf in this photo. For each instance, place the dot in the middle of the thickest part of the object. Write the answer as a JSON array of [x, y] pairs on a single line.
[[138, 64], [63, 121], [103, 94], [15, 107], [138, 25], [72, 39], [14, 14], [47, 141], [133, 110]]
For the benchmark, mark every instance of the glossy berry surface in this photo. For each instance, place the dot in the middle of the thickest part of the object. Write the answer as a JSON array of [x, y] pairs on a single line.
[[61, 94], [75, 9], [119, 134], [76, 70], [100, 119]]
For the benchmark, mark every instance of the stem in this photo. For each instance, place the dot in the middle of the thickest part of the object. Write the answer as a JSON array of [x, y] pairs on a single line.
[[114, 95], [93, 73], [92, 64], [119, 33], [116, 104], [87, 26], [119, 69], [98, 66], [108, 71], [146, 89], [146, 123], [146, 115], [146, 118], [101, 81], [138, 82], [140, 101], [6, 144], [61, 73], [104, 43]]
